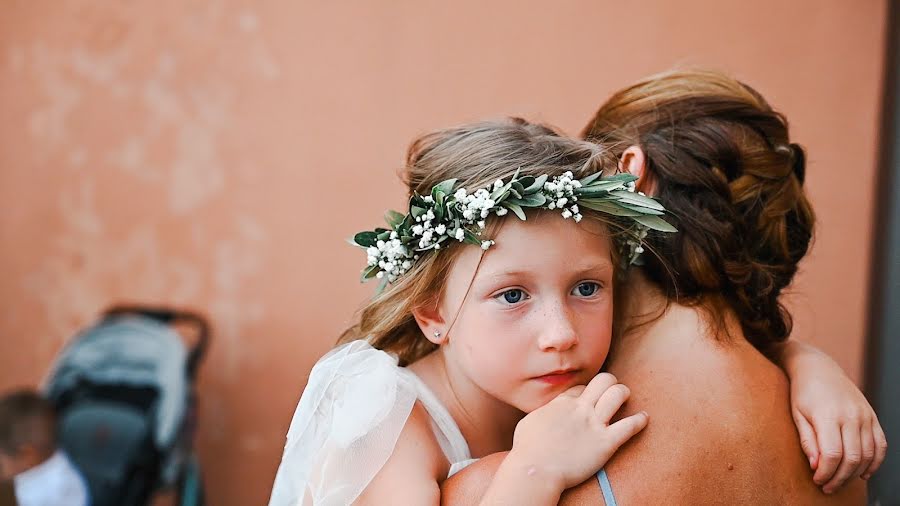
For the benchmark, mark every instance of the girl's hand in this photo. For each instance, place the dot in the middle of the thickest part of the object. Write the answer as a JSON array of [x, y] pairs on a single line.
[[839, 430], [571, 437]]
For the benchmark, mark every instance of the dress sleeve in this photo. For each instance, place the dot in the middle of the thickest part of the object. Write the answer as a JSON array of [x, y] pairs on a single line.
[[346, 425]]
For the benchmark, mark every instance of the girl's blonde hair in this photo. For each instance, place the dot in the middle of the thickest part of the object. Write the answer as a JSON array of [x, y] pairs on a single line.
[[476, 155]]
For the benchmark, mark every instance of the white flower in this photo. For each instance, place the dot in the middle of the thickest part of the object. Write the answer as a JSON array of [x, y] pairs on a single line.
[[502, 211], [551, 206], [550, 186], [567, 214], [481, 224], [577, 218], [440, 229], [394, 235], [417, 230], [380, 274], [429, 215], [460, 194], [576, 184], [568, 174], [485, 212], [437, 246], [380, 245], [468, 214], [486, 244], [428, 198], [561, 202], [498, 184], [460, 234], [574, 209], [406, 264], [639, 250]]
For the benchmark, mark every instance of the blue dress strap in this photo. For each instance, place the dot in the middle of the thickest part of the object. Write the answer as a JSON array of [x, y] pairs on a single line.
[[606, 488]]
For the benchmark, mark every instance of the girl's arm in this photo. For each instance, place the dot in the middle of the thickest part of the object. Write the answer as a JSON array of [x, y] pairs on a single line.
[[555, 447], [838, 428]]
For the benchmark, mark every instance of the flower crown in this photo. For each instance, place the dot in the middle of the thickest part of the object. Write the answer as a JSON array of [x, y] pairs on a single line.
[[450, 213]]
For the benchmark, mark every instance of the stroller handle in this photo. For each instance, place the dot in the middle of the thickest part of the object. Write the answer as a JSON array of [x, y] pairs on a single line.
[[169, 316]]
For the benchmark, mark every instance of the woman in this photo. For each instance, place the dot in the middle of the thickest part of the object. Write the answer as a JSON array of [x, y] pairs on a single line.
[[706, 312]]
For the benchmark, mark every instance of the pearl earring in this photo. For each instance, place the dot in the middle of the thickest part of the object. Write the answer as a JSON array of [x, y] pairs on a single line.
[[437, 334]]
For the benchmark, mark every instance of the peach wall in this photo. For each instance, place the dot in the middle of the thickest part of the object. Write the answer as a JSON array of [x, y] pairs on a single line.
[[189, 153]]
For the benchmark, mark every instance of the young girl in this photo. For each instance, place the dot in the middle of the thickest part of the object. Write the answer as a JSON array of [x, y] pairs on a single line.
[[463, 341], [484, 317]]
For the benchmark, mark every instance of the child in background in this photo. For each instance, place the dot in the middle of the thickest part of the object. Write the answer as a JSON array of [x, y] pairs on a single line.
[[41, 473]]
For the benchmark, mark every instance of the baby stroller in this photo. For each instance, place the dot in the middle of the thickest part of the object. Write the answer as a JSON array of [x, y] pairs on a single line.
[[124, 392]]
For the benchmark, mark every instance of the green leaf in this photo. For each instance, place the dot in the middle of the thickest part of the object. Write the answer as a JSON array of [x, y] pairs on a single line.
[[382, 285], [655, 223], [471, 238], [533, 200], [393, 218], [369, 273], [624, 177], [445, 186], [384, 236], [526, 181], [516, 209], [366, 239], [637, 199], [596, 188], [517, 188], [642, 209], [417, 211], [537, 185], [590, 179], [605, 206]]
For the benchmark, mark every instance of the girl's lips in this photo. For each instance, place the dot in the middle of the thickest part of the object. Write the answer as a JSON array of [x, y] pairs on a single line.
[[558, 378]]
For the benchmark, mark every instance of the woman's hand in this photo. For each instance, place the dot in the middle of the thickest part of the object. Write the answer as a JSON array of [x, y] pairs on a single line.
[[571, 438], [839, 430]]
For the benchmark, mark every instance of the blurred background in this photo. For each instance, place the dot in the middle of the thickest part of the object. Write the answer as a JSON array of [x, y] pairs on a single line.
[[215, 155]]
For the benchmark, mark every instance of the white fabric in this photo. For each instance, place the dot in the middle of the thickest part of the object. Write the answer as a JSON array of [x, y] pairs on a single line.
[[54, 482], [347, 423]]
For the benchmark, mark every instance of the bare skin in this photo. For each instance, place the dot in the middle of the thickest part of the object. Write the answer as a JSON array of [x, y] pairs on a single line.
[[721, 430]]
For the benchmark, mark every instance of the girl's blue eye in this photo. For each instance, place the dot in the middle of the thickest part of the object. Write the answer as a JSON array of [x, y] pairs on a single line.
[[513, 296], [587, 289]]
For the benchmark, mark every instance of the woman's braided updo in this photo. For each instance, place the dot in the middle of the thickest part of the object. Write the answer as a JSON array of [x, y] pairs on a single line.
[[723, 165]]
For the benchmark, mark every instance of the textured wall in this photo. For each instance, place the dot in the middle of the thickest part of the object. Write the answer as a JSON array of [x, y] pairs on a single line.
[[216, 154]]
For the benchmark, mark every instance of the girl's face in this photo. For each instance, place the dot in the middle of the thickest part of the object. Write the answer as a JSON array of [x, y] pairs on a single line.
[[538, 316]]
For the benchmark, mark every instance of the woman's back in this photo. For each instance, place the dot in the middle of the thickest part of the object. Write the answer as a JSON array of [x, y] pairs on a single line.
[[722, 431]]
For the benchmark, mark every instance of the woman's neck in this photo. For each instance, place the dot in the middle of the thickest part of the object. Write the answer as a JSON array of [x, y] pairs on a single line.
[[486, 423], [649, 318]]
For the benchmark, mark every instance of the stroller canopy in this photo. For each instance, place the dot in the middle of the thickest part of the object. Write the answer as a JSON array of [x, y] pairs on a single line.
[[134, 351]]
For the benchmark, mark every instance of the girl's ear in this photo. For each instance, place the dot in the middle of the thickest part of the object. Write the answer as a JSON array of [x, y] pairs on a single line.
[[431, 323], [634, 161]]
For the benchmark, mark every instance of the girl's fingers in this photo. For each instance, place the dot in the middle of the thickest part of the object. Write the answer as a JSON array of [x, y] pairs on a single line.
[[807, 438], [611, 400], [626, 428], [831, 450], [574, 391], [597, 386], [867, 445], [851, 460], [880, 449]]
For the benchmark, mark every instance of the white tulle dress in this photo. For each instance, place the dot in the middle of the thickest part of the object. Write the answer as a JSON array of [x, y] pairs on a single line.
[[347, 423]]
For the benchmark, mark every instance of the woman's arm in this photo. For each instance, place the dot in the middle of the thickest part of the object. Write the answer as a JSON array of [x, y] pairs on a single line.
[[839, 430]]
